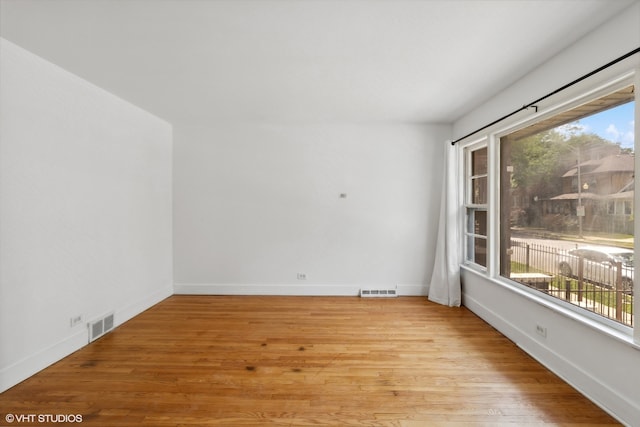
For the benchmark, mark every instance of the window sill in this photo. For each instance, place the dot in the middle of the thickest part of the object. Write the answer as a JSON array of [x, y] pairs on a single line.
[[621, 333]]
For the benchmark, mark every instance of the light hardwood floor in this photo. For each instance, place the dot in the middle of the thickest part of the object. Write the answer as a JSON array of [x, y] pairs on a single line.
[[295, 361]]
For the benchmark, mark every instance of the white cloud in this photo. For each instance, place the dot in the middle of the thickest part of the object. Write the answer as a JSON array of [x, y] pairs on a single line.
[[624, 137], [613, 131]]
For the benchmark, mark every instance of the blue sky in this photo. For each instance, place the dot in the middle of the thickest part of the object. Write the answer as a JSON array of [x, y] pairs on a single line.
[[616, 124]]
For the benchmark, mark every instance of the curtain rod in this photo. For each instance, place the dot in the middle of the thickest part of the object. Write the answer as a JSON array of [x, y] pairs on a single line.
[[560, 89]]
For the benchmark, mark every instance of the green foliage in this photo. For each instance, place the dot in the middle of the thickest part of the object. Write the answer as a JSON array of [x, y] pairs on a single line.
[[540, 160], [536, 163]]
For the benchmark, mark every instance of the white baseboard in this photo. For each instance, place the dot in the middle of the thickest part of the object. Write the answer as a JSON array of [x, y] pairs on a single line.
[[25, 368], [617, 405], [414, 290], [132, 310], [29, 366], [286, 289]]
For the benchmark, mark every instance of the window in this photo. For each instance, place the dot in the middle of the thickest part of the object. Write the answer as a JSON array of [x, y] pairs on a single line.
[[566, 205], [476, 205]]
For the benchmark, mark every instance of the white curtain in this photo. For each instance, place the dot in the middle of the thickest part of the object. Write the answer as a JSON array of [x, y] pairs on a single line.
[[445, 280]]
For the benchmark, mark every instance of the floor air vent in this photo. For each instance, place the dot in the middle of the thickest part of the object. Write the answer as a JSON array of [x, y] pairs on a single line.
[[378, 292], [99, 327]]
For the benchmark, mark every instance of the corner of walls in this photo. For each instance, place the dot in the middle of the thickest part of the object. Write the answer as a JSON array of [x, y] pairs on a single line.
[[86, 211]]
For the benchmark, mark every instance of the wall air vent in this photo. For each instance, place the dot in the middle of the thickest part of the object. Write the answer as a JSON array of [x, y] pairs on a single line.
[[101, 326], [379, 292]]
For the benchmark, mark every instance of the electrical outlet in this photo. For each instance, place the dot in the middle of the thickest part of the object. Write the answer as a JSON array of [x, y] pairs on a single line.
[[302, 276], [75, 320], [541, 330]]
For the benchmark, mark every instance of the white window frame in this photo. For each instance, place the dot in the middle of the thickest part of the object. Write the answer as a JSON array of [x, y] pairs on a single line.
[[585, 92], [469, 257]]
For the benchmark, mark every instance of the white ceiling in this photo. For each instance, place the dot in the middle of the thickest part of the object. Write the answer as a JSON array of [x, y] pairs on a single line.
[[202, 62]]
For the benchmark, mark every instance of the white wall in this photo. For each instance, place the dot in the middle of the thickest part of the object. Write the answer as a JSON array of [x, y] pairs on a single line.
[[256, 204], [613, 39], [600, 363], [85, 211]]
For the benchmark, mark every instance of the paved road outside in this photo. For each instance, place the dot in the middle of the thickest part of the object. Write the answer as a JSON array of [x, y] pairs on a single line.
[[565, 244]]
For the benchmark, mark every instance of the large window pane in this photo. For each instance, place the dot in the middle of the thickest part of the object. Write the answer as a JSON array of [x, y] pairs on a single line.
[[567, 190]]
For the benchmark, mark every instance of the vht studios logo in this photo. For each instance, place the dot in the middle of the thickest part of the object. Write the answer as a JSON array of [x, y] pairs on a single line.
[[43, 418]]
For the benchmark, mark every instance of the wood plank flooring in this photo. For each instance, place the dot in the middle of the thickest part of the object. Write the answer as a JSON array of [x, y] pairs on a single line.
[[296, 361]]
